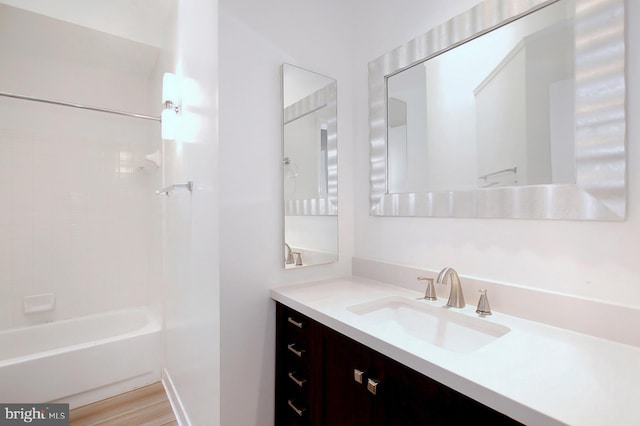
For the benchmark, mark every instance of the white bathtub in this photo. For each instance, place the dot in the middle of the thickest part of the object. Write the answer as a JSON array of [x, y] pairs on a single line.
[[80, 360]]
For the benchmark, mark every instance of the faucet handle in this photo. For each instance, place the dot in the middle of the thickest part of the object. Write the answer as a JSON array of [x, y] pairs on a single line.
[[483, 303], [430, 293]]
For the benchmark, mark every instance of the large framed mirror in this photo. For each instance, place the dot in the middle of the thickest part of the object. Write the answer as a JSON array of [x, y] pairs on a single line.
[[309, 167], [510, 110]]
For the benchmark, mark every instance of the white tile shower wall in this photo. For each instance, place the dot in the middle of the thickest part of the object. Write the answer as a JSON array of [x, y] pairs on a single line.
[[78, 221], [78, 216]]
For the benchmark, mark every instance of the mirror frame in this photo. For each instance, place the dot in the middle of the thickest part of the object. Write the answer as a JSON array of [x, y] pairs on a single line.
[[600, 124], [322, 98]]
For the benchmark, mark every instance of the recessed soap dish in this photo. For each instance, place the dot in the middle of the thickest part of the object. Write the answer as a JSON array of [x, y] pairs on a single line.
[[39, 303]]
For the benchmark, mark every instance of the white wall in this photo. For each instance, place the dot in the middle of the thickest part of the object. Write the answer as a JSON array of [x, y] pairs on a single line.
[[501, 127], [587, 259], [78, 217], [302, 147], [409, 171], [256, 37], [191, 285]]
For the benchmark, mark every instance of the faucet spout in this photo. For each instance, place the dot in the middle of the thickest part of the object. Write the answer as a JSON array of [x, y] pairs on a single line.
[[288, 257], [456, 298]]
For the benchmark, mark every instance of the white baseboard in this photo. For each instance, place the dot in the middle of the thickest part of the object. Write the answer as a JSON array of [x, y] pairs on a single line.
[[174, 399]]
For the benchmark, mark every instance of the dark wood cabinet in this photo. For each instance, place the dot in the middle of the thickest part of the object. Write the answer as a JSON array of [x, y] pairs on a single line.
[[349, 368], [339, 381], [414, 399]]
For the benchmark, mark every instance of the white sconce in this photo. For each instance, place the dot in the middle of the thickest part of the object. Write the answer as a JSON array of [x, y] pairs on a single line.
[[172, 106]]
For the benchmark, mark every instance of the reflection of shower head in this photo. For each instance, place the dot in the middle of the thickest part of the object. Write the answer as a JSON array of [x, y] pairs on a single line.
[[155, 158], [291, 170]]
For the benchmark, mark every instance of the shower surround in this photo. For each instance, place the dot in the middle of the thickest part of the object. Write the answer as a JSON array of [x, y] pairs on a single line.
[[79, 218]]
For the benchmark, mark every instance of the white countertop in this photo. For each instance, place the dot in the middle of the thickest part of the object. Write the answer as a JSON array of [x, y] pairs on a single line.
[[536, 374]]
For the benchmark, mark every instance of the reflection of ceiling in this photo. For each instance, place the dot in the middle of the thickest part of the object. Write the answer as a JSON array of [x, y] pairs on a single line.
[[301, 83], [138, 20]]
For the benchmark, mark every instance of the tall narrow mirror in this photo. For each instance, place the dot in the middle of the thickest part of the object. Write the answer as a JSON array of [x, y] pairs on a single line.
[[309, 168]]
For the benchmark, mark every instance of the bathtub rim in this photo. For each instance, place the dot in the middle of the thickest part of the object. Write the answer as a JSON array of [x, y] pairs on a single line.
[[152, 325]]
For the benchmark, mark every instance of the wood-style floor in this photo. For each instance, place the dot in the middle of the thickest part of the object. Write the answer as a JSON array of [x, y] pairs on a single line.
[[146, 406]]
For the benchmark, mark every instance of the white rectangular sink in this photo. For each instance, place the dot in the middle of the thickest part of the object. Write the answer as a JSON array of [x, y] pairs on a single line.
[[437, 325]]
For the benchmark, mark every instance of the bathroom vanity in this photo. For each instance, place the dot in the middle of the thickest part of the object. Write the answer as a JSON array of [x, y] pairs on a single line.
[[343, 359], [326, 378]]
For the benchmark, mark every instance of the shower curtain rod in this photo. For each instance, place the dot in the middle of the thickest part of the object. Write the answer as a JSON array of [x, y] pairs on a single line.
[[80, 106]]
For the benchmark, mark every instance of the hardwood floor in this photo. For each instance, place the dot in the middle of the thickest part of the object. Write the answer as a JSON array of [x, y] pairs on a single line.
[[146, 406]]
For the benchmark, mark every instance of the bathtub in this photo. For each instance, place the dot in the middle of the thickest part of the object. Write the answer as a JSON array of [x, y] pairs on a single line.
[[80, 360]]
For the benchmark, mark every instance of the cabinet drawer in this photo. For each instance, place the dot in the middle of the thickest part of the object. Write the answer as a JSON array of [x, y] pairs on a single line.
[[297, 350], [297, 328], [297, 321], [297, 379], [296, 413]]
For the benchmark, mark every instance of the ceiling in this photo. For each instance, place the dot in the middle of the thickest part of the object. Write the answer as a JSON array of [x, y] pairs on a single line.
[[143, 21]]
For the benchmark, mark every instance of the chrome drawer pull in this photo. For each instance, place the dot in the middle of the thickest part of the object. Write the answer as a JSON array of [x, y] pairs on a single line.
[[292, 348], [294, 322], [299, 382], [299, 411], [358, 375]]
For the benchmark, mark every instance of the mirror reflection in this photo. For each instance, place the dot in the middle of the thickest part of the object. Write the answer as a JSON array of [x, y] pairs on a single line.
[[310, 177], [494, 112]]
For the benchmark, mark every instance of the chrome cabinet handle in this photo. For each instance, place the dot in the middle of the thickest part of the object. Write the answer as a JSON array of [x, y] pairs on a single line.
[[358, 375], [292, 348], [294, 322], [372, 385], [299, 411], [299, 382]]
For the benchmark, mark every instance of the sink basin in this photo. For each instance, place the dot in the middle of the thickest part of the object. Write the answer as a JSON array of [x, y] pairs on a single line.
[[440, 326]]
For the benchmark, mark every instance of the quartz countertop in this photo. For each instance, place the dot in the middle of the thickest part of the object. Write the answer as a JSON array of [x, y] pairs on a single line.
[[536, 373]]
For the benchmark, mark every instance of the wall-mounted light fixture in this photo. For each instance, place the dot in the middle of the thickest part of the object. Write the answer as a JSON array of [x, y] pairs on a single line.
[[172, 106]]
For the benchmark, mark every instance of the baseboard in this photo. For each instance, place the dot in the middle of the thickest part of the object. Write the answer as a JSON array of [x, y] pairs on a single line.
[[174, 399]]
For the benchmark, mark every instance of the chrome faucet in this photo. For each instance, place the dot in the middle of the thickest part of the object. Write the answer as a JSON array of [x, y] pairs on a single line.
[[288, 258], [456, 298]]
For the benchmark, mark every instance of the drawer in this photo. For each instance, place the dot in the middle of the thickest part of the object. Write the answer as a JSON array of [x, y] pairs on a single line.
[[297, 379], [297, 387], [297, 328], [296, 322], [297, 350], [297, 412]]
